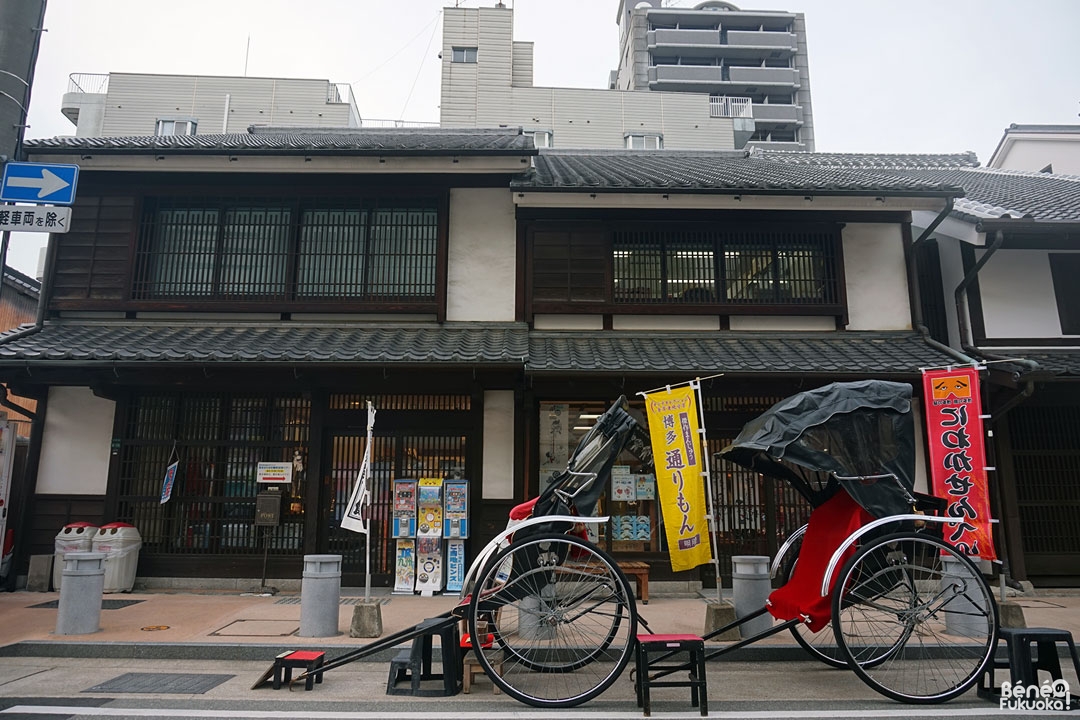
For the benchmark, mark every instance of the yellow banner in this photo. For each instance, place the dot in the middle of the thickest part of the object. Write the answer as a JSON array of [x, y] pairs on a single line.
[[676, 445]]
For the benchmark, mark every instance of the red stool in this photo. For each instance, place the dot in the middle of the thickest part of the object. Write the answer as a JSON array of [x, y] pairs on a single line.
[[666, 645], [310, 660]]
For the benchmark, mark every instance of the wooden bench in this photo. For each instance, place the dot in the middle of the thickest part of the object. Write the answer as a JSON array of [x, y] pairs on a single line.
[[640, 572]]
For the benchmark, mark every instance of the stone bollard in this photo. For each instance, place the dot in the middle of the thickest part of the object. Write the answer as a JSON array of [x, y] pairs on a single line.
[[366, 620], [962, 617], [750, 588], [80, 593], [320, 595]]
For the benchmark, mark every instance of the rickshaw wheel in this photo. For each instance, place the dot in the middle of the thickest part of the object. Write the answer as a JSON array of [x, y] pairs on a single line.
[[553, 621], [922, 611]]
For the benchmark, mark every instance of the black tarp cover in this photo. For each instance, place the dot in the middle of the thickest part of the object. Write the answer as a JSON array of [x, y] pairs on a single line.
[[847, 429]]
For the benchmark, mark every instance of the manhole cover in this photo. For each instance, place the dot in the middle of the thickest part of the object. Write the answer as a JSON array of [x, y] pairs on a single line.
[[264, 628], [160, 683], [105, 604]]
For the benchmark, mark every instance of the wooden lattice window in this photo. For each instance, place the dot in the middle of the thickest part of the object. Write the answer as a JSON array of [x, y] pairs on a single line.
[[277, 250]]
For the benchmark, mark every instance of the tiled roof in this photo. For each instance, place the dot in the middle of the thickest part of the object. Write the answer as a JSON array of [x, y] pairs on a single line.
[[841, 353], [1063, 363], [993, 193], [382, 141], [136, 343], [132, 343], [872, 161], [25, 283], [706, 171]]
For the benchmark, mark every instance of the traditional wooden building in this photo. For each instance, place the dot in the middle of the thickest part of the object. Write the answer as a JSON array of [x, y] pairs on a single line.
[[226, 300]]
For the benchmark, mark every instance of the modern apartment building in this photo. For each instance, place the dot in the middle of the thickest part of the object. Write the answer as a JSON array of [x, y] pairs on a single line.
[[134, 104], [746, 61], [487, 81]]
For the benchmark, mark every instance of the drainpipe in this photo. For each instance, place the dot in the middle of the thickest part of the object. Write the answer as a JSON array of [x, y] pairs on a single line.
[[5, 401]]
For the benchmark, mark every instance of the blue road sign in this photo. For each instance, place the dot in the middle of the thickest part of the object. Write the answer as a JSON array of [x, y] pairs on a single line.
[[39, 183]]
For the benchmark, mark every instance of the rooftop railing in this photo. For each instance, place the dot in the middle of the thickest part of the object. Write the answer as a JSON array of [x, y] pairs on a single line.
[[97, 83]]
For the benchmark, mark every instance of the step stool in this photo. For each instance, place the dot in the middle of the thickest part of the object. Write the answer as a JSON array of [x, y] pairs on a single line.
[[310, 660], [665, 645], [1022, 664], [413, 666], [470, 664]]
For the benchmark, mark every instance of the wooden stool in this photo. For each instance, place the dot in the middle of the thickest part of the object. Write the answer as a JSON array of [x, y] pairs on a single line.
[[310, 660], [640, 572], [665, 645], [410, 668], [471, 666]]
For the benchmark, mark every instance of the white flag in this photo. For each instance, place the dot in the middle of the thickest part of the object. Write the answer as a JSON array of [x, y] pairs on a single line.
[[358, 512]]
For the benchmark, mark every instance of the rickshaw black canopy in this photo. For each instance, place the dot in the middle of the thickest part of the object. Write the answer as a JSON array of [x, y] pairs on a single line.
[[849, 429]]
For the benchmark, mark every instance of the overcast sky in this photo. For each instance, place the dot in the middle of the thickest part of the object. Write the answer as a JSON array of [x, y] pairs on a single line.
[[911, 76]]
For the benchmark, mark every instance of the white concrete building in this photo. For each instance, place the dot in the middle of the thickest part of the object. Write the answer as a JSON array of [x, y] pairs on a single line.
[[752, 62]]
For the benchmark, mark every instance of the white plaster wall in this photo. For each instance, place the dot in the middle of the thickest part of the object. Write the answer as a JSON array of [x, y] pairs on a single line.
[[76, 443], [481, 265], [660, 322], [773, 323], [498, 445], [568, 322], [876, 274], [1035, 153], [1017, 292], [952, 273]]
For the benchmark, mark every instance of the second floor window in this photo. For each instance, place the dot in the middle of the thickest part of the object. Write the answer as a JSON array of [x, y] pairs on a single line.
[[644, 142], [261, 249], [702, 267], [463, 55], [173, 126]]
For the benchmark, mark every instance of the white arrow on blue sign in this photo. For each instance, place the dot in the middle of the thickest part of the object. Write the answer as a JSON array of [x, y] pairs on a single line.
[[39, 183]]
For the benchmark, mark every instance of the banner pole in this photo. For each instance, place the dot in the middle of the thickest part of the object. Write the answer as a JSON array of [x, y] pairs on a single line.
[[367, 536], [710, 498]]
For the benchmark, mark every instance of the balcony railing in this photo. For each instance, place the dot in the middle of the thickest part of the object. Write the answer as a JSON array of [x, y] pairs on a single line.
[[96, 83], [729, 107], [370, 123]]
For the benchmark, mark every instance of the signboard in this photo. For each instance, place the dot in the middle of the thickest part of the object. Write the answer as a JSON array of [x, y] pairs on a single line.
[[167, 483], [680, 465], [33, 218], [39, 183], [958, 457], [274, 473]]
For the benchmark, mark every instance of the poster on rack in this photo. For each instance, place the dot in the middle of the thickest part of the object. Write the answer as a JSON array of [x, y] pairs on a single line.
[[958, 457], [676, 445], [405, 566], [455, 565], [623, 486], [168, 482], [429, 570], [429, 507], [456, 509], [554, 440], [404, 508]]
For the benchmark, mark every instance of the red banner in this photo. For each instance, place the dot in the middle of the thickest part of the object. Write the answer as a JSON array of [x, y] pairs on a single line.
[[958, 457]]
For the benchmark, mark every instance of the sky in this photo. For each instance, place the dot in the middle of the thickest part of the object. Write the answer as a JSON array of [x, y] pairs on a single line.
[[913, 76]]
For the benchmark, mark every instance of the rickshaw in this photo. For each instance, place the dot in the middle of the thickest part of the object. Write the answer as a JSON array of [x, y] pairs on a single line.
[[870, 582]]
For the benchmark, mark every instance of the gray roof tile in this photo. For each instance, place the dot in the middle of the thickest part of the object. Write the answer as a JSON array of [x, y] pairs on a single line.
[[382, 141], [140, 343], [708, 171], [132, 343], [870, 161], [840, 353]]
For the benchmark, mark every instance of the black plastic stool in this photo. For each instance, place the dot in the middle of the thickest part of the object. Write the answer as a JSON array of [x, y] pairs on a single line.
[[1024, 665], [666, 645], [413, 666]]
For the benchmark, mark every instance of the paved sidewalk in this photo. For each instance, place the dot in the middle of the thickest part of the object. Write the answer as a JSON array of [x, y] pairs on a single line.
[[241, 626]]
